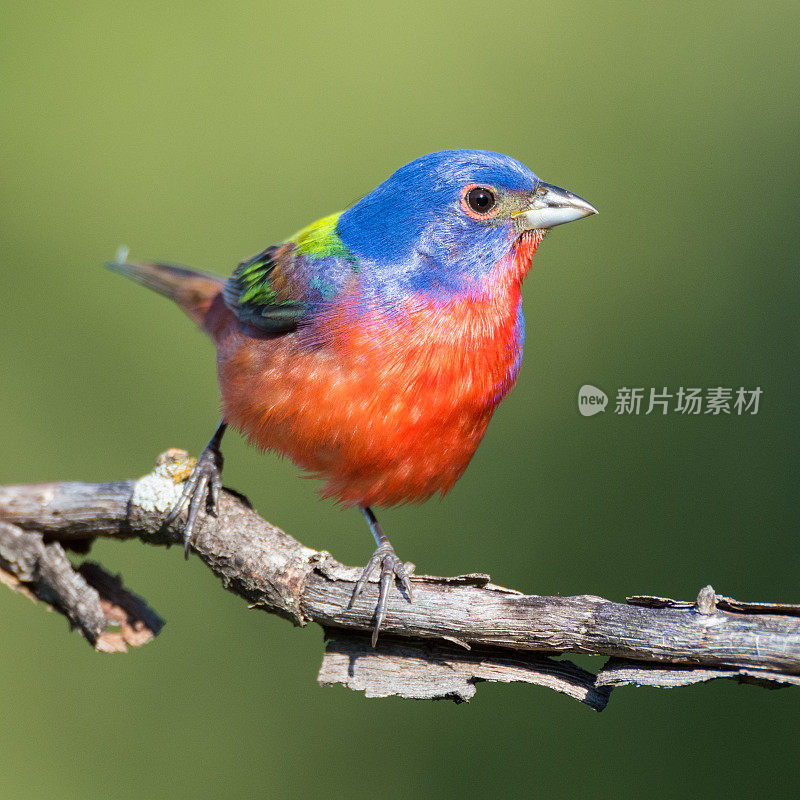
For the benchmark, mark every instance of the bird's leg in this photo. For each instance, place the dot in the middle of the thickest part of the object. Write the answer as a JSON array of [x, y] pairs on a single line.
[[391, 567], [203, 484]]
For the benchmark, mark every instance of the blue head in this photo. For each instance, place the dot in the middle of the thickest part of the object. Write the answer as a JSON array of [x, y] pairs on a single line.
[[442, 222]]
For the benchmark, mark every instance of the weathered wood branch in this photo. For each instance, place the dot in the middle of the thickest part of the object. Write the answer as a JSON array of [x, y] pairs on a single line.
[[458, 631]]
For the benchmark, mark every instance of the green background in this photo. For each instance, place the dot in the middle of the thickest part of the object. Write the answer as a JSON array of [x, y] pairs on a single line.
[[199, 134]]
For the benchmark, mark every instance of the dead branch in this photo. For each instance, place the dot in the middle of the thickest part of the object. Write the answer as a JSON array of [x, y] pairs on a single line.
[[458, 631]]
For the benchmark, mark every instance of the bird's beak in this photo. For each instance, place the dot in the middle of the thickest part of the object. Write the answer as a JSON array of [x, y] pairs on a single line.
[[551, 206]]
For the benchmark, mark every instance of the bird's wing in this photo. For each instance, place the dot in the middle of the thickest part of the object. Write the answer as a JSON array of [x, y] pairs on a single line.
[[280, 286], [260, 295]]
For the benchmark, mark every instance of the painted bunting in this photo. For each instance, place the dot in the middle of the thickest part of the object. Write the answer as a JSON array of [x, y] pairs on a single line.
[[373, 346]]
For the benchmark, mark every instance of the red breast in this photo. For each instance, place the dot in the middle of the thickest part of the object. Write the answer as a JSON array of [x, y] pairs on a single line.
[[387, 411]]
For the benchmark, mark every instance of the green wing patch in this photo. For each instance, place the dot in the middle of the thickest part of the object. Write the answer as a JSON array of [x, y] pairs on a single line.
[[259, 294], [319, 239], [270, 290]]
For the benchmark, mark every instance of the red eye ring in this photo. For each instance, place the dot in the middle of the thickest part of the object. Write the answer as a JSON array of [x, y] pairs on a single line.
[[474, 196]]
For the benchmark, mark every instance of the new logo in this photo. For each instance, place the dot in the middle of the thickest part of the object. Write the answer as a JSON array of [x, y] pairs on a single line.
[[591, 400]]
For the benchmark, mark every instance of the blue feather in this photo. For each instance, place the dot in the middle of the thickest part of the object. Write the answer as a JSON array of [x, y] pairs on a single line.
[[411, 234]]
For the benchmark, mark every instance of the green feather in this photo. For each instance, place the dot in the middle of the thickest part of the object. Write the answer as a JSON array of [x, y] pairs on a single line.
[[257, 290], [254, 279], [320, 239]]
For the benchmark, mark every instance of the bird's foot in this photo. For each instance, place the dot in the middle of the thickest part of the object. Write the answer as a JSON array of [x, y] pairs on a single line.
[[391, 568], [204, 484]]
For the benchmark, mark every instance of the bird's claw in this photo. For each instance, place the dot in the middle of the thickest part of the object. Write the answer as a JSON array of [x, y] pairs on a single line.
[[203, 484], [391, 567]]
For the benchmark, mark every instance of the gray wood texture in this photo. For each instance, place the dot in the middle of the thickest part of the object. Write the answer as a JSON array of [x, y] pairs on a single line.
[[458, 632]]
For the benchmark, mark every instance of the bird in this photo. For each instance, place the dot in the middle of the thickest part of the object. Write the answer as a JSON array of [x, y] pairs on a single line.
[[373, 346]]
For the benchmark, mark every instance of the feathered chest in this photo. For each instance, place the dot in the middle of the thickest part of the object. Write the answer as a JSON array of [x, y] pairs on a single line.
[[388, 404], [461, 352], [466, 352]]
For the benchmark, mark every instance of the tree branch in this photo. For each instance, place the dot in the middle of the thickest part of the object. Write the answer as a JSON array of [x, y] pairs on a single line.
[[458, 631]]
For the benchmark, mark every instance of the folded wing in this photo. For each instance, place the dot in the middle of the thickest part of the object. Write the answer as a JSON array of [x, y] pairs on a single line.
[[283, 285]]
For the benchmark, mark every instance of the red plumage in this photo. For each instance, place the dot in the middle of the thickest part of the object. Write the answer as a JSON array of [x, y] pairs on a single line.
[[385, 411]]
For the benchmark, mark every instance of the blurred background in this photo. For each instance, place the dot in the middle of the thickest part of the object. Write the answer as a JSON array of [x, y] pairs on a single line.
[[201, 133]]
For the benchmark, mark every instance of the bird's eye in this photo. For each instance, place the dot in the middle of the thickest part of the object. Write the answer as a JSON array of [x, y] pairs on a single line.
[[481, 200]]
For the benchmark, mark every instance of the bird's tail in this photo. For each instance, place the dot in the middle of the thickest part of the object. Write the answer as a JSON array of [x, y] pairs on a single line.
[[195, 292]]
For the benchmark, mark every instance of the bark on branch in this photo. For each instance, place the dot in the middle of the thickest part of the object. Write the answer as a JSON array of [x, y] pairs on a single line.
[[458, 631]]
